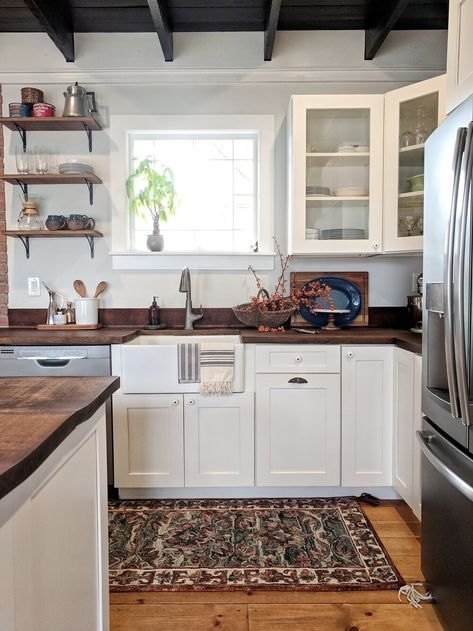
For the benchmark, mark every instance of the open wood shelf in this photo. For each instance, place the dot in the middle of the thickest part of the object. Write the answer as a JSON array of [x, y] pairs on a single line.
[[22, 124], [25, 179], [25, 235]]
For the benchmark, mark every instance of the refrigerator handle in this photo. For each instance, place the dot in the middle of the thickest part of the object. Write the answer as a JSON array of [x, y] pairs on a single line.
[[455, 480], [448, 275], [459, 285]]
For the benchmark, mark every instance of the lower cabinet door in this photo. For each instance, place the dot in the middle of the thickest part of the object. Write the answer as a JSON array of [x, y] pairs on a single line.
[[219, 445], [403, 429], [416, 455], [298, 429], [148, 440], [367, 415]]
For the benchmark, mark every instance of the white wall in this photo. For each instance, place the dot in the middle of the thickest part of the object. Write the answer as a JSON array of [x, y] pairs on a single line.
[[217, 73]]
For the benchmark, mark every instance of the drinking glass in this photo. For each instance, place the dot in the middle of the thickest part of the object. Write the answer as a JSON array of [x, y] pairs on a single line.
[[41, 160], [23, 160]]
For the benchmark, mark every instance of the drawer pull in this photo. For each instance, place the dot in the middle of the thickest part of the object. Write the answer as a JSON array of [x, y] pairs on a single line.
[[298, 359], [298, 380]]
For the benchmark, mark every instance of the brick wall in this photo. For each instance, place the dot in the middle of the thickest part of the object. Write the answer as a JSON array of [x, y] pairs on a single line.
[[3, 241]]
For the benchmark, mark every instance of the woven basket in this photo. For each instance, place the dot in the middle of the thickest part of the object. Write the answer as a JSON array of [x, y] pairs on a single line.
[[256, 317]]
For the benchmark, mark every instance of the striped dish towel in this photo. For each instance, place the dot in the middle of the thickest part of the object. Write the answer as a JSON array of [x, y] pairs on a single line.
[[188, 363], [216, 368]]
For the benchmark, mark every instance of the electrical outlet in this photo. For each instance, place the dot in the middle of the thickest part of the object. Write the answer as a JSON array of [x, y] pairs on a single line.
[[34, 287]]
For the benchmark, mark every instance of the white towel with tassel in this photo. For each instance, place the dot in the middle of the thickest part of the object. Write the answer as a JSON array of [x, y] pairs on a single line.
[[217, 363]]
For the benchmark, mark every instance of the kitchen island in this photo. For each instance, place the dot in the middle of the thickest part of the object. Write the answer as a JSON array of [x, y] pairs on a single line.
[[53, 506]]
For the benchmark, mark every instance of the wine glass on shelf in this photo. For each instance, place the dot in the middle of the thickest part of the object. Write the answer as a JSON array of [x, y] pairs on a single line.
[[407, 138], [420, 132]]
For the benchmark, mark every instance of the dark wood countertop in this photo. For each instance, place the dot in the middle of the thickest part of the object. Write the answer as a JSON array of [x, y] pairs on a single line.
[[119, 335], [31, 336], [37, 414], [355, 335]]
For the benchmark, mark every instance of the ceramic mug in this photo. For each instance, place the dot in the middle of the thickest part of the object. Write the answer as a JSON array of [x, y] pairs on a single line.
[[87, 310], [80, 222], [56, 222]]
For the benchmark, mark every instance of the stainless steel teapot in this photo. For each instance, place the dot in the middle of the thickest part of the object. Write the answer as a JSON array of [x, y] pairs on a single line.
[[79, 102]]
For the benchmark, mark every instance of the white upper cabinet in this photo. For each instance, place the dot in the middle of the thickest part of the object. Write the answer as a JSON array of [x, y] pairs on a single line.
[[460, 52], [335, 179], [411, 115]]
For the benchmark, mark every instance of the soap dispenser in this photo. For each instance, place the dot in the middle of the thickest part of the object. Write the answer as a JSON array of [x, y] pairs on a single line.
[[153, 313]]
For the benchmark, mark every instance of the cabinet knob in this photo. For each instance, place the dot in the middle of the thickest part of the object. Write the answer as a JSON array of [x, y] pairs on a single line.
[[191, 402], [350, 354], [297, 380], [175, 402], [375, 246], [298, 359]]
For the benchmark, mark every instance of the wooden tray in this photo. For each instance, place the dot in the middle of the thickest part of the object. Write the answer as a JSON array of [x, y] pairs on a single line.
[[298, 279], [68, 327]]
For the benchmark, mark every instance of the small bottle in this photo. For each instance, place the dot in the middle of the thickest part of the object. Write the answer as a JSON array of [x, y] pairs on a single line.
[[70, 314], [153, 313]]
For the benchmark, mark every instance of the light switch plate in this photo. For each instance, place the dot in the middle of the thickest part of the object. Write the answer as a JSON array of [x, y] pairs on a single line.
[[34, 286]]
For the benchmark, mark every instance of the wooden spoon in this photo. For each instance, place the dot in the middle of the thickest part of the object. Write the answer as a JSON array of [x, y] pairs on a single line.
[[80, 288], [102, 286]]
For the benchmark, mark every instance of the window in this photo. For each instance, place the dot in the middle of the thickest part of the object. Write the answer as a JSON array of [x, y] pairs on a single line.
[[216, 177], [224, 170]]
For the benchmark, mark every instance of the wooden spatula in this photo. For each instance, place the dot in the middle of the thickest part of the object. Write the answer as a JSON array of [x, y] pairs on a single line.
[[102, 286], [80, 288]]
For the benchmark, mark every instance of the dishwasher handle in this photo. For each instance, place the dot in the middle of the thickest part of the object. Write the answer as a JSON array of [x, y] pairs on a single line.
[[53, 362]]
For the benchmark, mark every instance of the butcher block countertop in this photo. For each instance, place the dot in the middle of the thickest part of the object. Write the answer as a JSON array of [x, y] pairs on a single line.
[[37, 414], [120, 335], [355, 335]]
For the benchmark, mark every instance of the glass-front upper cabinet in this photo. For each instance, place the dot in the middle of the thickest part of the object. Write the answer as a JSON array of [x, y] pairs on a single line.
[[411, 115], [336, 172]]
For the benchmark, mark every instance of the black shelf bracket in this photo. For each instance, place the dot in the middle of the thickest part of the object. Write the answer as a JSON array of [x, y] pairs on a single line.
[[91, 241], [24, 188], [88, 131], [26, 242], [90, 186], [22, 133]]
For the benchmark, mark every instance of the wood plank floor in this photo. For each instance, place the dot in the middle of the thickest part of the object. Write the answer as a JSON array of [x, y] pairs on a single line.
[[302, 611]]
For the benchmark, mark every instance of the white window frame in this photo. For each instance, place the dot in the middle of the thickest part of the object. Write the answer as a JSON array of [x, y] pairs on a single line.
[[125, 258]]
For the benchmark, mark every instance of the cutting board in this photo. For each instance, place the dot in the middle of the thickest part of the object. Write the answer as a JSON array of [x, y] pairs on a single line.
[[360, 279]]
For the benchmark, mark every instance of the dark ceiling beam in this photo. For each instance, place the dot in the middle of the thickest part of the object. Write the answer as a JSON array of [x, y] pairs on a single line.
[[374, 37], [271, 28], [161, 25], [56, 23]]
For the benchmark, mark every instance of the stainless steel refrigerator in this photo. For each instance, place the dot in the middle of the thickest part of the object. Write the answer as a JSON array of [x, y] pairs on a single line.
[[446, 439]]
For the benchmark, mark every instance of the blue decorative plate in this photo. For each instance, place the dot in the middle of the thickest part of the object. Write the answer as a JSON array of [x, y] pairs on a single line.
[[345, 295]]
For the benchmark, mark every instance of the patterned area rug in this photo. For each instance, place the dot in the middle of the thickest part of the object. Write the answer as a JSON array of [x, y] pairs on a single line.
[[228, 545]]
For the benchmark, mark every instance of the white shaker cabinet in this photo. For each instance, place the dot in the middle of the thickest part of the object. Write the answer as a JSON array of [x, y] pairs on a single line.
[[460, 52], [175, 440], [298, 429], [403, 426], [367, 415], [412, 113], [407, 420], [335, 174], [148, 437], [219, 440]]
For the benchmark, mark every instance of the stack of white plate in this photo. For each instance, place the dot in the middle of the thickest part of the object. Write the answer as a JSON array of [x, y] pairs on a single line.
[[343, 233], [317, 190], [75, 167]]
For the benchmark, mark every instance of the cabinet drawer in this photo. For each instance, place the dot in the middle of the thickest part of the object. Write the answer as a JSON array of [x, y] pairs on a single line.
[[297, 358]]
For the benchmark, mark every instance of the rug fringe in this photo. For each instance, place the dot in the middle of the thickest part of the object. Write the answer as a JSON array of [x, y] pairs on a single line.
[[414, 597]]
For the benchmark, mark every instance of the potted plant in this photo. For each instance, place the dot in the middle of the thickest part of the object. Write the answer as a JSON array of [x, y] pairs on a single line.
[[153, 190]]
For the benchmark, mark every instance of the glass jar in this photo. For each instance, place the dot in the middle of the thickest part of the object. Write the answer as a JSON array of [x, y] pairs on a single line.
[[29, 218]]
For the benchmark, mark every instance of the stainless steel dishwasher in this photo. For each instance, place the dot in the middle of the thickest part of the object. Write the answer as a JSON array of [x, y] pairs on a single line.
[[62, 361]]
